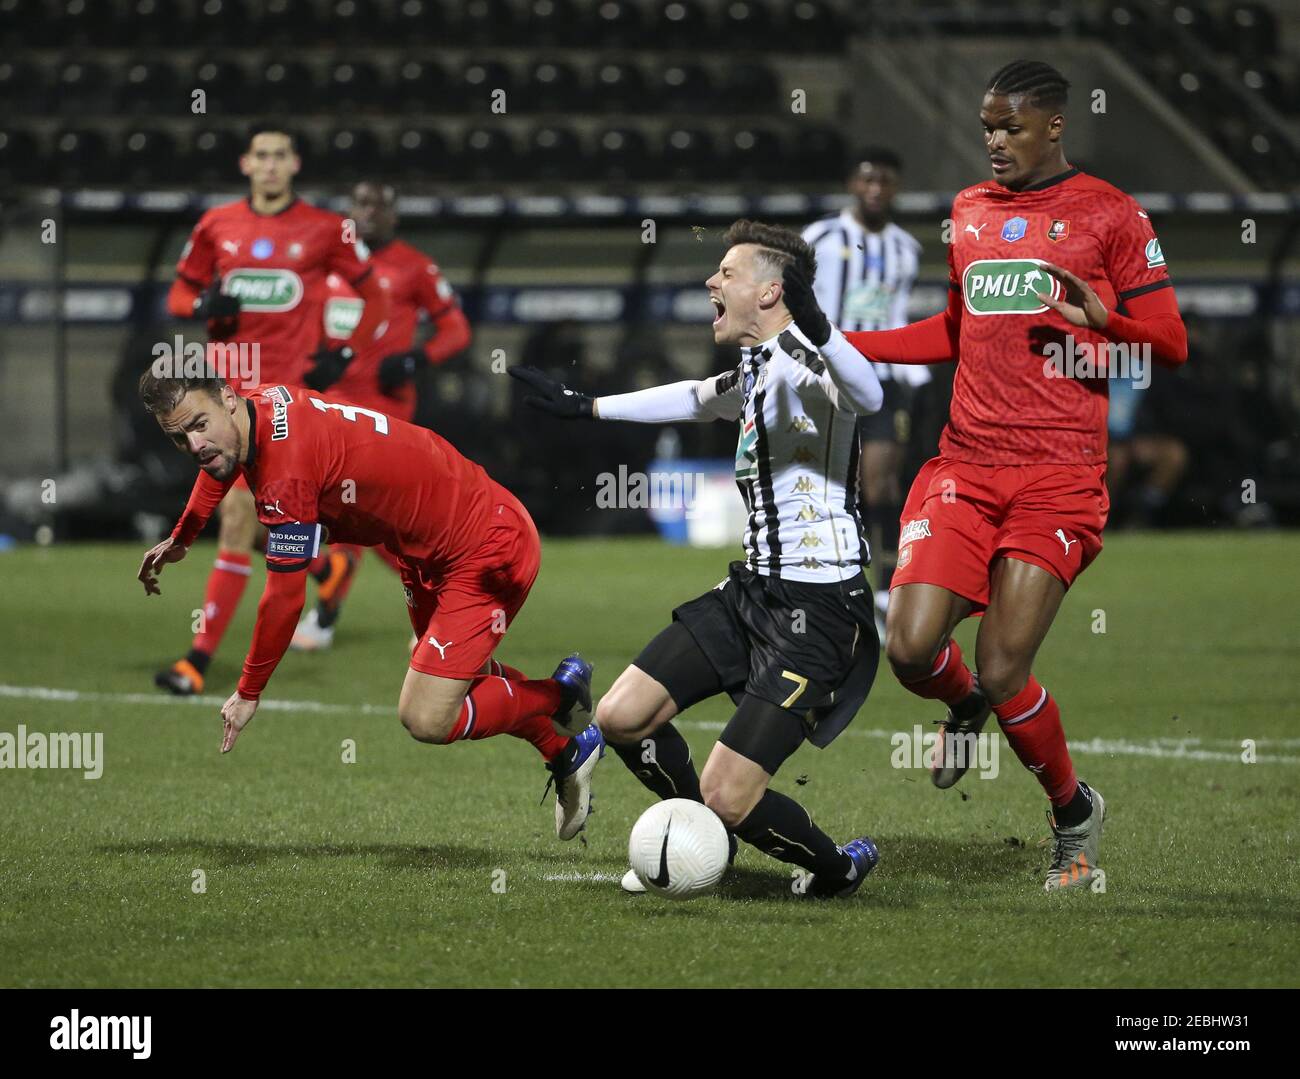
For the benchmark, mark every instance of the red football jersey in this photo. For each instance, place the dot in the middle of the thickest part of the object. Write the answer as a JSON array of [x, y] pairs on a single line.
[[368, 478], [414, 284], [276, 264], [1005, 410]]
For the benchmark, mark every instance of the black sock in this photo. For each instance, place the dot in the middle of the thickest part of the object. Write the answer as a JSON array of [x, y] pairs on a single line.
[[1077, 810], [200, 660], [781, 827], [662, 762], [326, 614]]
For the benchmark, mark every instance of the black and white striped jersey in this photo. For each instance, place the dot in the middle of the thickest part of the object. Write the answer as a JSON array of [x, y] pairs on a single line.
[[864, 280]]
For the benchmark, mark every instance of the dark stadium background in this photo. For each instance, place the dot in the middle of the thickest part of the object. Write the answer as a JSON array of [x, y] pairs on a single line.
[[618, 111]]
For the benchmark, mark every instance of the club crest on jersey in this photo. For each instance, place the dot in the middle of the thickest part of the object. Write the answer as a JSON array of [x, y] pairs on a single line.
[[1155, 257], [1014, 229], [1007, 287], [1058, 230], [264, 290], [262, 248]]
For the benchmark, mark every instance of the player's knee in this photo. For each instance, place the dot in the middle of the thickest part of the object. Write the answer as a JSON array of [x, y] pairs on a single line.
[[1002, 675], [619, 719], [431, 725], [911, 652], [731, 802]]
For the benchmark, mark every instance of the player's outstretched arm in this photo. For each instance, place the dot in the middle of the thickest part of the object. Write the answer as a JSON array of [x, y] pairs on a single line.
[[688, 400], [854, 380]]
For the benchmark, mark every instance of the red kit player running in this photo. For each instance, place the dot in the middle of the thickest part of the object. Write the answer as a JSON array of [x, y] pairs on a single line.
[[382, 374], [468, 552], [255, 271], [1042, 261]]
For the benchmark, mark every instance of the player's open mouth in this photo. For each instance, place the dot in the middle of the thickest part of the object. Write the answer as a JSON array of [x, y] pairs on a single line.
[[720, 309]]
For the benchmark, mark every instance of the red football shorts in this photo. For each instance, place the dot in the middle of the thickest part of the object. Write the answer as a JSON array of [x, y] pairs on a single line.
[[960, 517], [461, 616]]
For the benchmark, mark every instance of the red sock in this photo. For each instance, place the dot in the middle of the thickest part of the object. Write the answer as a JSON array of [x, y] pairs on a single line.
[[226, 585], [497, 705], [949, 679], [1032, 723], [503, 671]]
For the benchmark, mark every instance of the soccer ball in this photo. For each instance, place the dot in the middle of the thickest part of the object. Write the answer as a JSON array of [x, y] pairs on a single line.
[[678, 849]]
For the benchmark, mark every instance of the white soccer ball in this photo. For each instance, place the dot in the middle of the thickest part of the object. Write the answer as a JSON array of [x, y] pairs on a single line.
[[678, 849]]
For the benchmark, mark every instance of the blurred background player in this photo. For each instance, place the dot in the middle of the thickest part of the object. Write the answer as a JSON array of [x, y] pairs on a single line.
[[254, 270], [384, 373], [866, 266]]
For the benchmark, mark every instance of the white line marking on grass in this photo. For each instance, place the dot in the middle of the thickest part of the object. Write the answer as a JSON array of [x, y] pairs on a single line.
[[1164, 748], [573, 876]]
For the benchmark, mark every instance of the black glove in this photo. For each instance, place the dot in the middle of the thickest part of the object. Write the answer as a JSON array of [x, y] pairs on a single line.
[[553, 397], [328, 367], [397, 370], [802, 304], [213, 303]]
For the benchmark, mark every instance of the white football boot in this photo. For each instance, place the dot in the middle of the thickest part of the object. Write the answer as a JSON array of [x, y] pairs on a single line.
[[309, 636], [1075, 850]]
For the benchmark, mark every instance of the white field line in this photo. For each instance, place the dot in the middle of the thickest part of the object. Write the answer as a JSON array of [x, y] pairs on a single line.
[[1184, 749]]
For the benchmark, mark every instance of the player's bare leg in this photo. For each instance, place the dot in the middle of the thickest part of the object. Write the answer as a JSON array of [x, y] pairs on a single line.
[[1023, 602], [928, 662], [440, 711], [226, 583]]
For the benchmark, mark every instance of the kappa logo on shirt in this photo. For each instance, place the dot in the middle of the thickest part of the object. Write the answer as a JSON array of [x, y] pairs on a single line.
[[914, 530]]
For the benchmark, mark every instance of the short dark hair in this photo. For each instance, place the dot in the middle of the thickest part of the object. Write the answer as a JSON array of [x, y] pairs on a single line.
[[270, 127], [876, 155], [161, 392], [1040, 83], [781, 245]]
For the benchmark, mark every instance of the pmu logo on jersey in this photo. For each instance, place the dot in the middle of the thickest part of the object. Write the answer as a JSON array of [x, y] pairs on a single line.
[[342, 316], [1014, 229], [1007, 287], [1058, 230], [264, 290]]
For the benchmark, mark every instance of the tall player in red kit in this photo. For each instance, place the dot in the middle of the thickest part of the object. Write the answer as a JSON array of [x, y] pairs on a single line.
[[468, 551], [1048, 266], [382, 375], [255, 271]]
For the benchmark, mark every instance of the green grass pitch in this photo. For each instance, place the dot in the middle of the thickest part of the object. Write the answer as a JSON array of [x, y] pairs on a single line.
[[382, 872]]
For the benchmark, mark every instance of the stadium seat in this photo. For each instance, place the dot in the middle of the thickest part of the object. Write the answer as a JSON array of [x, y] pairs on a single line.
[[151, 22], [552, 86], [149, 86], [419, 22], [81, 23], [689, 154], [683, 87], [84, 89], [20, 158], [225, 84], [554, 153], [354, 21], [486, 153], [421, 153], [214, 156], [150, 158], [25, 88], [26, 23], [549, 23], [351, 152], [818, 152], [353, 85], [1251, 31], [748, 88], [621, 154], [287, 86], [682, 24], [813, 26], [487, 24], [617, 24], [754, 154], [220, 22], [478, 81], [288, 22], [617, 87], [419, 86], [747, 24], [81, 156]]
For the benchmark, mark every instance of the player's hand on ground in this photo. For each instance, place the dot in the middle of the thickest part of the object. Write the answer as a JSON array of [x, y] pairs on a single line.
[[397, 370], [328, 365], [1079, 305], [154, 560], [552, 396], [235, 714], [801, 302]]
